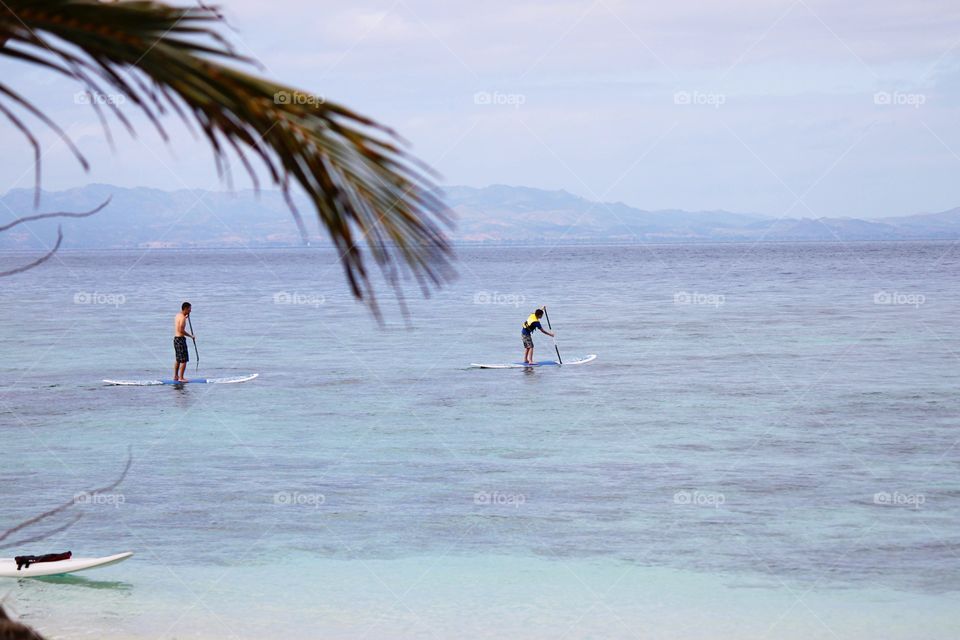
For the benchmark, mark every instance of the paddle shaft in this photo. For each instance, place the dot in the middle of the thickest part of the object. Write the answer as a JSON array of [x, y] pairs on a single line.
[[549, 326], [195, 350]]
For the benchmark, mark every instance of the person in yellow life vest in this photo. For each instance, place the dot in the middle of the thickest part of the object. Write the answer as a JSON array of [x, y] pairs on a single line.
[[531, 324]]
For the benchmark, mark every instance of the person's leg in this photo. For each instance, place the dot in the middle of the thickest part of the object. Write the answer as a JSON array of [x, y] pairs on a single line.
[[183, 369], [177, 360], [180, 348]]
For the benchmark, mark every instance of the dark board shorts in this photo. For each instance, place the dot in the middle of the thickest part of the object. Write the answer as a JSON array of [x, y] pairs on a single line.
[[180, 349], [527, 340]]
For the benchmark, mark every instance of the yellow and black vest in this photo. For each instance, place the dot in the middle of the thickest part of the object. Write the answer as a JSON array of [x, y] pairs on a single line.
[[531, 324]]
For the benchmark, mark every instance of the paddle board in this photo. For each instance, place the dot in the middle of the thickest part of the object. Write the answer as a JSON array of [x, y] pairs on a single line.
[[8, 566], [148, 383], [542, 363]]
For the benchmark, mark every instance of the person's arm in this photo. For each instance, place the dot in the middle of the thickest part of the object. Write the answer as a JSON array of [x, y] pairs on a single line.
[[552, 335], [540, 326]]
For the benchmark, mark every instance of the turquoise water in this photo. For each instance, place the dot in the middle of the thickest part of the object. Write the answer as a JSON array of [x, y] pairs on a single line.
[[765, 446]]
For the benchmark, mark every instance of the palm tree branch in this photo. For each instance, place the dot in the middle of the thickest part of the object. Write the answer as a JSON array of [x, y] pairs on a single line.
[[35, 263], [57, 214], [65, 505], [369, 194]]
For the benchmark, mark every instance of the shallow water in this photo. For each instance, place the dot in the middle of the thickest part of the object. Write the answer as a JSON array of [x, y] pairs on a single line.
[[765, 446]]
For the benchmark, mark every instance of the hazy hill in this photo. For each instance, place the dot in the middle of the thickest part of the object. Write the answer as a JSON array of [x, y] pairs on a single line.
[[142, 218], [521, 214]]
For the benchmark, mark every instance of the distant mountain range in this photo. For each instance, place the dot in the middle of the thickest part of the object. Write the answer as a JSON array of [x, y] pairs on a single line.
[[520, 214], [153, 218]]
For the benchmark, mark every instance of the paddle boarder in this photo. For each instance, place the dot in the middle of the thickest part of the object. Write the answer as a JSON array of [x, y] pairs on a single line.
[[531, 324], [180, 335]]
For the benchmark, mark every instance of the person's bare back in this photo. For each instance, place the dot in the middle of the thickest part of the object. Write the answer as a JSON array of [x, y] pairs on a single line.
[[179, 325]]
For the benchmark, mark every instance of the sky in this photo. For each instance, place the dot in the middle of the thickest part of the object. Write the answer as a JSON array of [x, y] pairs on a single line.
[[801, 108]]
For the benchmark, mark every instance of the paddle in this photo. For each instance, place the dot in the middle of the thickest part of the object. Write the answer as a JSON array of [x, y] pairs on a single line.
[[547, 315], [197, 351]]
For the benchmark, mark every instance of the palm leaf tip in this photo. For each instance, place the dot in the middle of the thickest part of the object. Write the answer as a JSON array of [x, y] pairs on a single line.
[[371, 197]]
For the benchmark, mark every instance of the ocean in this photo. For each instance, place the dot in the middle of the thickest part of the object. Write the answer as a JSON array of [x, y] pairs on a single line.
[[765, 447]]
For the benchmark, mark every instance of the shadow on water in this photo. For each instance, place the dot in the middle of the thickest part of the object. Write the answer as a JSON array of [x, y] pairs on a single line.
[[79, 581], [183, 399]]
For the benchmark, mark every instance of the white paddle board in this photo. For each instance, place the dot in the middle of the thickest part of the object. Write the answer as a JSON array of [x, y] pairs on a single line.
[[150, 383], [542, 363], [8, 566]]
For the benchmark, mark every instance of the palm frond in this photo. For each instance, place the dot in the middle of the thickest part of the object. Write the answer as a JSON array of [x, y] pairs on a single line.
[[50, 513], [369, 194]]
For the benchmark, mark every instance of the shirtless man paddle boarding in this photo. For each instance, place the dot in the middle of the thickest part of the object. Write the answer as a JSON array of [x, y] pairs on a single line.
[[180, 335]]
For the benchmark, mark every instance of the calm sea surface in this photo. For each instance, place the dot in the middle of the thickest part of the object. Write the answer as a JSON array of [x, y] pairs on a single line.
[[765, 447]]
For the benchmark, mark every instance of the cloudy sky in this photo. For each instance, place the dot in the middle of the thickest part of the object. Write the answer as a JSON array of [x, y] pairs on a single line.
[[806, 107]]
